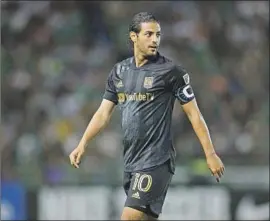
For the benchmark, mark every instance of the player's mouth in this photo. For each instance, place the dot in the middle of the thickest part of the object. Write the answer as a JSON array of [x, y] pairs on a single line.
[[153, 48]]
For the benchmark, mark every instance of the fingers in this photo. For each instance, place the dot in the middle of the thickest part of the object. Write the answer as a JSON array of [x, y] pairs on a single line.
[[218, 173], [78, 160], [75, 157], [74, 160], [75, 165]]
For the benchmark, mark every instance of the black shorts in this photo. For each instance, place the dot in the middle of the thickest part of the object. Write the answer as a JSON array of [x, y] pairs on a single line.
[[146, 190]]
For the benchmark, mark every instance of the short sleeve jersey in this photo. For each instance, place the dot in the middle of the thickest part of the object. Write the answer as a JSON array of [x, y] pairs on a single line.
[[146, 96]]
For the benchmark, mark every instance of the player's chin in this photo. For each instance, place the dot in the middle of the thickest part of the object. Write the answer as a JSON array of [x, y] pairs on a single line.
[[152, 51]]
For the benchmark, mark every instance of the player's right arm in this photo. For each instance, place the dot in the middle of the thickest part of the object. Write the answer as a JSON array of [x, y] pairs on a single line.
[[99, 121]]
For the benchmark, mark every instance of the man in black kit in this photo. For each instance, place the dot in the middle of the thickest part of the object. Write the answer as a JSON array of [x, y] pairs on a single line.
[[145, 88]]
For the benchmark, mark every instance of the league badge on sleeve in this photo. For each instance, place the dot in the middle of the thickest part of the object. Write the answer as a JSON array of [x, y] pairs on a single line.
[[186, 78], [148, 82]]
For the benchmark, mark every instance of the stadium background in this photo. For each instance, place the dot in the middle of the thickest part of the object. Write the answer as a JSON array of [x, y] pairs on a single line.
[[55, 57]]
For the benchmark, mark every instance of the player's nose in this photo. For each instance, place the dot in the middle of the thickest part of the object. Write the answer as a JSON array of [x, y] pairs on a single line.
[[154, 40]]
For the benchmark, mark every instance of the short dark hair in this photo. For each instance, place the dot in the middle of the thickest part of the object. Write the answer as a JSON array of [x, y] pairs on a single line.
[[139, 18]]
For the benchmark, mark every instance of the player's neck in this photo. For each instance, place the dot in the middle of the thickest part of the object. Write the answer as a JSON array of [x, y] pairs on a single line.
[[140, 59]]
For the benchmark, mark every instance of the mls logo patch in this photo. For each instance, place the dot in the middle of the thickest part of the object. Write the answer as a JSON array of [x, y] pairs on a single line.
[[186, 78], [148, 82]]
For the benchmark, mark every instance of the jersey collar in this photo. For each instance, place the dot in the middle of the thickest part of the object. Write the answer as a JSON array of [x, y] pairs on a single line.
[[153, 60]]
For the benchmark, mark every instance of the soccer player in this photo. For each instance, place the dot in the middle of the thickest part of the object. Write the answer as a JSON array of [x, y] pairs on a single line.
[[145, 88]]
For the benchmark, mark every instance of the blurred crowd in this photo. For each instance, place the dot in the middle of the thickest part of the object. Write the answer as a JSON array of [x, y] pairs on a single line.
[[56, 56]]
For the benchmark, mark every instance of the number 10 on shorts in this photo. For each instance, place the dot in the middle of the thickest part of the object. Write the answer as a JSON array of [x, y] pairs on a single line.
[[142, 182]]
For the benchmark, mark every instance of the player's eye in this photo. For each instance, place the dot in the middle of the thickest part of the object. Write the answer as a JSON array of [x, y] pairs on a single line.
[[148, 34]]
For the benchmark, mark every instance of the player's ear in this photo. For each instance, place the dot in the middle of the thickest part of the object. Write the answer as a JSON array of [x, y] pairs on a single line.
[[133, 36]]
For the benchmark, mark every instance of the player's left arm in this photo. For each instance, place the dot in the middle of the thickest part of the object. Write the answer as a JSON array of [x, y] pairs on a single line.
[[200, 127], [184, 93]]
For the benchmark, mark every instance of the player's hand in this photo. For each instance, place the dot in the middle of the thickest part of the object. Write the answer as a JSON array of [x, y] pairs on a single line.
[[76, 155], [216, 166]]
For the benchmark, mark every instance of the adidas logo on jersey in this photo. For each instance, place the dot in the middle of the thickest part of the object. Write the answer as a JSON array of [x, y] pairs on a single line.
[[136, 195], [119, 84]]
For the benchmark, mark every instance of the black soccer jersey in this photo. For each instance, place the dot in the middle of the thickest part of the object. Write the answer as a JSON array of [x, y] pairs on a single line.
[[146, 97]]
